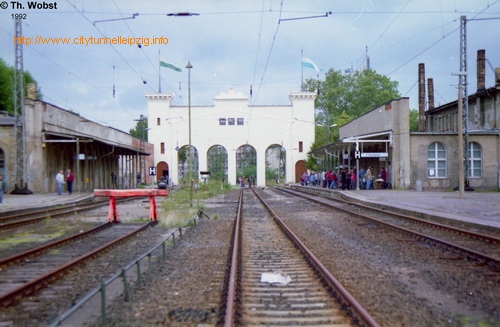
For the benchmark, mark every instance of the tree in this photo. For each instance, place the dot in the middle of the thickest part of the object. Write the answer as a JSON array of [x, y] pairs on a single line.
[[217, 159], [413, 120], [342, 98], [140, 130], [7, 87]]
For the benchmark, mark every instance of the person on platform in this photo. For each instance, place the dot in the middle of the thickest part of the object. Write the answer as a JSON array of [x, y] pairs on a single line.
[[383, 175], [60, 181], [114, 180], [343, 179], [69, 179], [369, 178], [354, 180]]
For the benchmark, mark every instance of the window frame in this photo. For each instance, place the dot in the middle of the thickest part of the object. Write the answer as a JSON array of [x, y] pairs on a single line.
[[473, 159], [437, 161]]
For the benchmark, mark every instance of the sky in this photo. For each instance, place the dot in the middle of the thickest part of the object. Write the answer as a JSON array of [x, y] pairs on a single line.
[[242, 45]]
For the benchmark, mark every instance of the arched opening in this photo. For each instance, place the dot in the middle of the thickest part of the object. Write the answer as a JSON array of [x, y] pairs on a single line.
[[183, 156], [275, 164], [162, 170], [246, 162], [300, 168], [217, 162]]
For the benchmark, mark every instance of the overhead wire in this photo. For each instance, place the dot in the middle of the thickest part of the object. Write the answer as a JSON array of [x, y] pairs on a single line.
[[438, 41], [112, 46], [75, 75], [270, 52], [155, 66], [258, 47]]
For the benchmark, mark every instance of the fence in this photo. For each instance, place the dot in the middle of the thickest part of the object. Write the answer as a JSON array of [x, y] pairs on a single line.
[[127, 277]]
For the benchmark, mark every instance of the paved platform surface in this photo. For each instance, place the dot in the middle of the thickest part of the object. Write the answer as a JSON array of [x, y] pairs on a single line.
[[22, 201], [476, 207]]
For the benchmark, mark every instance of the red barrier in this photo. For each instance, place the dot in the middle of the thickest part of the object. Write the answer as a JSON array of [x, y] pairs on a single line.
[[113, 194]]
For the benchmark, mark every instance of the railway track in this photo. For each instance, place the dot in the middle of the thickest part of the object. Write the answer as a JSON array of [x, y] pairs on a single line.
[[23, 274], [477, 247], [265, 248]]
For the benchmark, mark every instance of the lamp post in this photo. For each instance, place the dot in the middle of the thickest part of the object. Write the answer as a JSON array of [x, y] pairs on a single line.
[[189, 66]]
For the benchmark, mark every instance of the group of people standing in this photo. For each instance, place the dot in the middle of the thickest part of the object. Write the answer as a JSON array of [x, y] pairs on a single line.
[[241, 181], [346, 179], [62, 179]]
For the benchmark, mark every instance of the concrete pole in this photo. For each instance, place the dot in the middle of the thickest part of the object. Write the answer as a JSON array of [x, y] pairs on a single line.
[[189, 66], [460, 145]]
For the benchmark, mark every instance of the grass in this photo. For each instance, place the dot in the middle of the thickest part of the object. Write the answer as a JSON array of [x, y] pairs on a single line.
[[177, 206]]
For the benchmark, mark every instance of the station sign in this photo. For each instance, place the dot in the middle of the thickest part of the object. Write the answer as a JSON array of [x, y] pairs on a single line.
[[374, 155], [152, 170]]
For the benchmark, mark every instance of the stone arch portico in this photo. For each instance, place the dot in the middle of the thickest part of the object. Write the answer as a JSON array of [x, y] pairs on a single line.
[[230, 123]]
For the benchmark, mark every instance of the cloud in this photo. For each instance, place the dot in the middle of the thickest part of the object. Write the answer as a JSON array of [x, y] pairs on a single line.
[[235, 44]]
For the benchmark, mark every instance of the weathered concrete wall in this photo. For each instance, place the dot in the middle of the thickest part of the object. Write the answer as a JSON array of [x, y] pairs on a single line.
[[490, 158], [57, 139]]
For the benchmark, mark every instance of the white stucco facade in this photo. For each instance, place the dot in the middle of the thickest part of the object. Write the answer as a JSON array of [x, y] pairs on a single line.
[[291, 126]]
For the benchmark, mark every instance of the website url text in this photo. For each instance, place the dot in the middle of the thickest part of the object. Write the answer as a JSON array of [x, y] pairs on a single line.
[[91, 40]]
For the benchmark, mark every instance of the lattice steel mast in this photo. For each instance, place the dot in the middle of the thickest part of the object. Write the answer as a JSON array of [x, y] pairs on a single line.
[[21, 186], [465, 97]]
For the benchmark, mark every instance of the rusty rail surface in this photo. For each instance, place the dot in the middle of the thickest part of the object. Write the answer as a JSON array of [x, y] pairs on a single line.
[[353, 309], [233, 278], [468, 253], [38, 283]]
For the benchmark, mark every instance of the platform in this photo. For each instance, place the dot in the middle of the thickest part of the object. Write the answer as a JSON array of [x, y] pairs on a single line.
[[477, 207], [481, 208], [39, 200]]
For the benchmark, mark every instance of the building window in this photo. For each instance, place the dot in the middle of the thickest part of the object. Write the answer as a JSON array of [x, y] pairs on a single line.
[[240, 121], [162, 148], [158, 121], [301, 147], [222, 121], [475, 160], [436, 160], [230, 121]]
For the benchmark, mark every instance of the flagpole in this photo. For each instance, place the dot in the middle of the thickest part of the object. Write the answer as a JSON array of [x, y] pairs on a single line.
[[159, 72], [301, 70]]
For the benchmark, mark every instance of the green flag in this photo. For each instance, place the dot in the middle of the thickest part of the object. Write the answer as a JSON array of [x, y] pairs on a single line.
[[169, 65]]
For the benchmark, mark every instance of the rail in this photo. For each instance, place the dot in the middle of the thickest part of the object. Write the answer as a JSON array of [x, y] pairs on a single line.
[[468, 253], [235, 259], [328, 277], [102, 288]]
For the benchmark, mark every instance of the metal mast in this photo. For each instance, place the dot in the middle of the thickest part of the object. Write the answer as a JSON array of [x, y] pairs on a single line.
[[465, 97], [21, 186]]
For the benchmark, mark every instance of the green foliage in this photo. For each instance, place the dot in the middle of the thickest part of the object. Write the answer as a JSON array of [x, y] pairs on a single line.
[[312, 163], [342, 98], [7, 87], [140, 130], [182, 153], [217, 158], [246, 163], [177, 204], [413, 120]]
